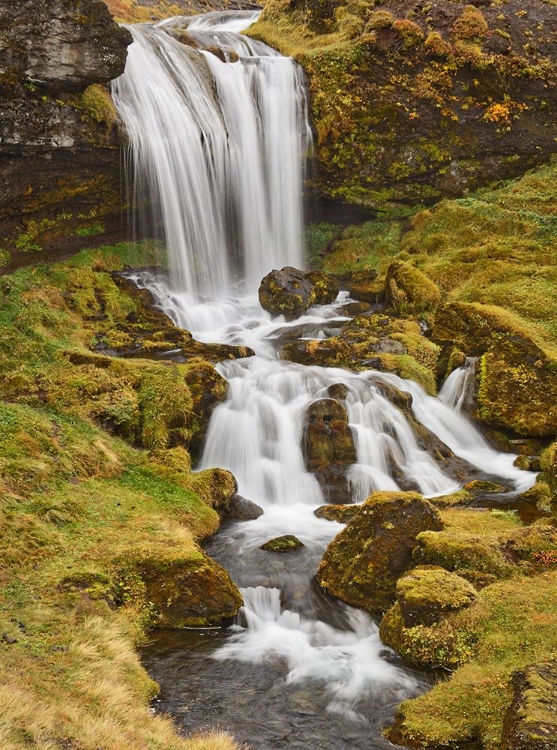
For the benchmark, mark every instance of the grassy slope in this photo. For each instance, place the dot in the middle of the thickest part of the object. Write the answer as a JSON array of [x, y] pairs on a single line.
[[74, 503], [496, 247]]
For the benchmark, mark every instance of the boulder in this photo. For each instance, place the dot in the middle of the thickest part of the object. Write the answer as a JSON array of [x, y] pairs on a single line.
[[286, 543], [291, 292], [365, 287], [185, 589], [363, 563], [535, 544], [424, 598], [240, 509], [328, 447], [531, 721], [481, 485]]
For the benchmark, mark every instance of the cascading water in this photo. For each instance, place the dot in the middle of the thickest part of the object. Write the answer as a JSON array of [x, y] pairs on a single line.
[[217, 143], [217, 148]]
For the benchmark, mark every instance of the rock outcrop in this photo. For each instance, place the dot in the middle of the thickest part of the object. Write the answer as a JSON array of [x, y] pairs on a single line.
[[531, 721], [415, 101], [59, 157]]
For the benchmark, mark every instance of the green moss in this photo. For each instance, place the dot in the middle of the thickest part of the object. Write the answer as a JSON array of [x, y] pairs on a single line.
[[513, 624], [287, 543], [410, 292], [460, 551]]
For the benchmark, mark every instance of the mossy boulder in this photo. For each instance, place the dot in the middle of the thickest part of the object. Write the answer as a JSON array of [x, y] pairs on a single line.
[[365, 287], [188, 590], [328, 447], [531, 720], [291, 292], [286, 543], [457, 552], [425, 596], [363, 563], [339, 513], [481, 485], [410, 292]]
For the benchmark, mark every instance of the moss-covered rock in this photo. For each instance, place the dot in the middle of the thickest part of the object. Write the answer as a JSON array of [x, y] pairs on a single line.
[[286, 543], [340, 513], [362, 564], [531, 721], [184, 590], [410, 292], [548, 463], [425, 596], [328, 447], [291, 292], [457, 552], [462, 497], [535, 544], [481, 485]]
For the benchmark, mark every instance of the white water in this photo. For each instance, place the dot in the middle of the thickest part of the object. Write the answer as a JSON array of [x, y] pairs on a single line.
[[217, 148]]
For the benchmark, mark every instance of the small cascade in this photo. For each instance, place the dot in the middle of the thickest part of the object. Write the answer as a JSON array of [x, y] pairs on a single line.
[[216, 149], [456, 387]]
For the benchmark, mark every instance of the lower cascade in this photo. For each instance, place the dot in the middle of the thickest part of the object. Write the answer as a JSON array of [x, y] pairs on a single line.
[[217, 143]]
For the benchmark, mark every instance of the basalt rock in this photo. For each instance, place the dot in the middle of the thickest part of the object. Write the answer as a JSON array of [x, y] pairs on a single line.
[[328, 448], [59, 150], [363, 563], [287, 543], [240, 509], [339, 513], [291, 292]]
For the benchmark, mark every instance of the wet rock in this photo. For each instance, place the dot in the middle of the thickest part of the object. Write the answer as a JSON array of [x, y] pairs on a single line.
[[61, 44], [363, 563], [352, 309], [337, 391], [328, 448], [457, 552], [287, 543], [527, 463], [340, 513], [240, 509], [410, 292], [325, 288], [531, 721], [291, 292], [208, 389]]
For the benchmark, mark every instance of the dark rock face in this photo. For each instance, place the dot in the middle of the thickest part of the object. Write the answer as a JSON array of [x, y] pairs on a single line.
[[63, 45], [59, 157], [363, 563], [531, 722], [340, 513], [328, 447], [291, 292], [240, 509]]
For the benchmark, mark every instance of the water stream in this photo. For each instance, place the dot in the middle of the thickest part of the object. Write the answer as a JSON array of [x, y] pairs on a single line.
[[217, 144]]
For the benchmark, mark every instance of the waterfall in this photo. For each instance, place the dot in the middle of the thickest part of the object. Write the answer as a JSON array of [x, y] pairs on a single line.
[[217, 147], [455, 388], [218, 132]]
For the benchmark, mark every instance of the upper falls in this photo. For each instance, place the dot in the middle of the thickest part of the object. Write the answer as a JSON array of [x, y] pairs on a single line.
[[218, 135]]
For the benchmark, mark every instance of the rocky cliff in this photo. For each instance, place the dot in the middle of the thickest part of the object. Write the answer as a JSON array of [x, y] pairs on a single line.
[[59, 150], [413, 100]]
